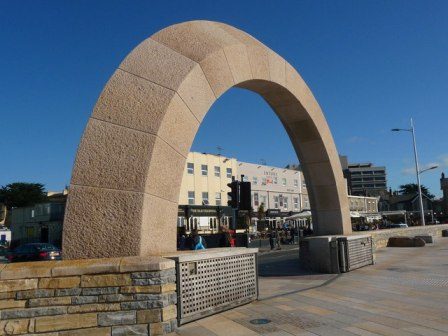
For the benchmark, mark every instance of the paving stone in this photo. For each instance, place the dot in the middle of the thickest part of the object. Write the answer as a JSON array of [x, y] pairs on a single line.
[[129, 330]]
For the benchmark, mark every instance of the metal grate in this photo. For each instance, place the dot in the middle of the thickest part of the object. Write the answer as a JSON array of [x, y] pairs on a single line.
[[212, 285], [359, 252]]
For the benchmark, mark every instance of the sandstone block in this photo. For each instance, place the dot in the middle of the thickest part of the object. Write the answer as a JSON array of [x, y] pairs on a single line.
[[169, 313], [82, 267], [14, 327], [27, 270], [6, 304], [102, 331], [141, 289], [160, 328], [64, 282], [72, 321], [106, 280], [17, 285], [149, 316], [137, 264]]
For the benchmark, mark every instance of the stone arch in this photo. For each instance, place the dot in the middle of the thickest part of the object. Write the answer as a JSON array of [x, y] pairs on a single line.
[[128, 169]]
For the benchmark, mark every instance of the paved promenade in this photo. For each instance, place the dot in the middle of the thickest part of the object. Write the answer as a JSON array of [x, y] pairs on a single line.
[[405, 293]]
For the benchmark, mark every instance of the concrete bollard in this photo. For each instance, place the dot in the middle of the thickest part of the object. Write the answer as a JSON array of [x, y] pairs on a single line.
[[428, 239], [405, 242]]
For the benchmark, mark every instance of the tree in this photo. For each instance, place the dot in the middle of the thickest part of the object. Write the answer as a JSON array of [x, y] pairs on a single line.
[[412, 188], [260, 211], [20, 194]]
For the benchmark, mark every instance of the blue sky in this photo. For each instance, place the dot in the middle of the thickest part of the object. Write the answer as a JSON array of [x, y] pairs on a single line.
[[371, 65]]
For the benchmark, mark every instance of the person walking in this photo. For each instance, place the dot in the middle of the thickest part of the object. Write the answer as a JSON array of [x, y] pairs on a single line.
[[272, 240], [198, 241]]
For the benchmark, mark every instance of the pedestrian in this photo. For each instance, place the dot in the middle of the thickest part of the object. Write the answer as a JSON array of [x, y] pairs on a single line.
[[272, 240], [198, 241]]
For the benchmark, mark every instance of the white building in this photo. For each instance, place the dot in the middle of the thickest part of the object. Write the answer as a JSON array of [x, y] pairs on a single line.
[[275, 188]]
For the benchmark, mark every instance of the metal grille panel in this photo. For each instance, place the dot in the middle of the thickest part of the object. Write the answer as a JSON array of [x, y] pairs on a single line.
[[359, 252], [212, 285]]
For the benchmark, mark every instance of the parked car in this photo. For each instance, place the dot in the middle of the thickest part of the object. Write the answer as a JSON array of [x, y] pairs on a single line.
[[398, 226], [34, 252]]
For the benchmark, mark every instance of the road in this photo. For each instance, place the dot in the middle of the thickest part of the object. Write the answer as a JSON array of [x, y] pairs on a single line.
[[279, 263]]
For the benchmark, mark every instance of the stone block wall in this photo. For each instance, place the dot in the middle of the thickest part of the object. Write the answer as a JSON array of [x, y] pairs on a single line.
[[119, 296], [380, 238]]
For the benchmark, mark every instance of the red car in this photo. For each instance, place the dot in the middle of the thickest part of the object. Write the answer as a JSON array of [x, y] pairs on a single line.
[[34, 252]]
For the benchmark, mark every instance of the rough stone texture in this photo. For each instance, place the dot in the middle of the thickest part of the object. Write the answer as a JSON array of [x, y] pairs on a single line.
[[127, 173], [69, 306], [116, 318], [73, 321], [405, 242]]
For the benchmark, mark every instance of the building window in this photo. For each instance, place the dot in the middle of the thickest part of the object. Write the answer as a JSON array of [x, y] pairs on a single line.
[[204, 170], [32, 213], [255, 180], [280, 198], [275, 202], [205, 198], [285, 203], [256, 202], [229, 172], [263, 181], [245, 178], [306, 204], [263, 199], [296, 183], [191, 197], [296, 203], [284, 182], [190, 168], [217, 171], [303, 184], [218, 198], [275, 180]]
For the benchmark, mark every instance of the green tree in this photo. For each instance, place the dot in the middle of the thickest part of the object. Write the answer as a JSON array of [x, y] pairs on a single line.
[[20, 194], [260, 211], [412, 188]]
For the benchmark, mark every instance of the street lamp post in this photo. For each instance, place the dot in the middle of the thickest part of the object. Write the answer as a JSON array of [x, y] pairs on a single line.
[[417, 169]]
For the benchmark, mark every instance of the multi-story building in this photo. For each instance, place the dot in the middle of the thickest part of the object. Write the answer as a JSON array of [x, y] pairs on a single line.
[[365, 179], [205, 179], [39, 223], [363, 204], [275, 188]]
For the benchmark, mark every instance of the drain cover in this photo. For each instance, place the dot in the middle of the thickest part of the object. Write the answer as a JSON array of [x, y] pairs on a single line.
[[260, 321]]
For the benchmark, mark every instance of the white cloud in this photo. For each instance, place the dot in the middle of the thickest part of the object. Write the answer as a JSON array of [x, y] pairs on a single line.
[[443, 161]]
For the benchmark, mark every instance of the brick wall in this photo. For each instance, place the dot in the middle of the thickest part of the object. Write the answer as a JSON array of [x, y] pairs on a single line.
[[381, 237], [119, 296]]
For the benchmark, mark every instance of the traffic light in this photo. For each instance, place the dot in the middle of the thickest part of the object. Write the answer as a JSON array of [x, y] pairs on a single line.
[[245, 196], [233, 195]]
